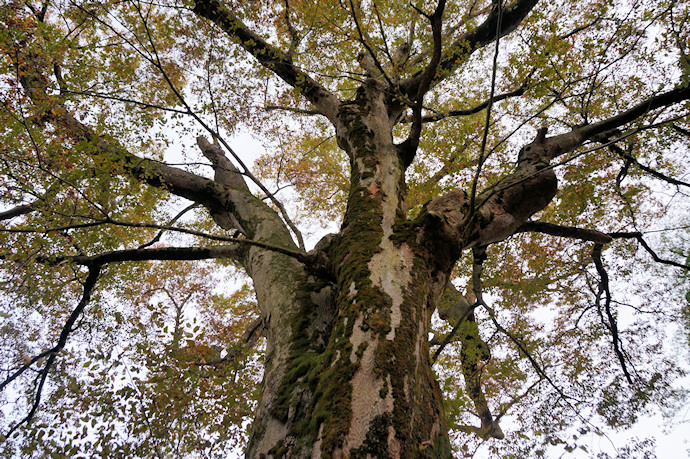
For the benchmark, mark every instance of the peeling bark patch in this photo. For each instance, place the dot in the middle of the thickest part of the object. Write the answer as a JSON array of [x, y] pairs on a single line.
[[391, 271], [366, 387], [393, 443], [316, 450]]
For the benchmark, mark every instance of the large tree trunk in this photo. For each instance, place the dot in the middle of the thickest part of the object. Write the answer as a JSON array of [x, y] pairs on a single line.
[[348, 372], [354, 377]]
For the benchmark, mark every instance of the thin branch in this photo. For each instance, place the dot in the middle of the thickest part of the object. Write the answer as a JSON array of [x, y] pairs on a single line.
[[643, 243], [511, 16], [612, 324], [450, 336], [158, 64], [477, 287], [268, 55], [109, 221], [632, 160], [51, 354], [363, 41], [408, 149], [565, 231], [382, 31], [294, 36], [487, 122], [125, 100], [158, 236], [476, 109], [301, 111], [579, 29], [683, 131]]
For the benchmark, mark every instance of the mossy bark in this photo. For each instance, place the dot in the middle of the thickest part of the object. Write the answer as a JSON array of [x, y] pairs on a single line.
[[348, 371]]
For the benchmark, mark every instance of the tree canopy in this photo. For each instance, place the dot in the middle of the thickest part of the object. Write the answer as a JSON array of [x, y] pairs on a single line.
[[505, 184]]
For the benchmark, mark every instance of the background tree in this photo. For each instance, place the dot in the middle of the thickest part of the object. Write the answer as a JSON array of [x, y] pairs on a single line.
[[508, 181]]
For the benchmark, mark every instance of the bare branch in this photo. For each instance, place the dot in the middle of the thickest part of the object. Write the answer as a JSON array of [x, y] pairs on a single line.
[[18, 211], [314, 260], [632, 160], [476, 109], [643, 243], [268, 56], [225, 171], [408, 149], [511, 16], [365, 64], [109, 221], [294, 36], [382, 31], [565, 231], [475, 349], [564, 143], [477, 286], [487, 122], [158, 236], [51, 354], [125, 100], [611, 322], [301, 111]]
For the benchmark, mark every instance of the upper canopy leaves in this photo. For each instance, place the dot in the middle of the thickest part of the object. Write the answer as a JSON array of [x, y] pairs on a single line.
[[101, 104]]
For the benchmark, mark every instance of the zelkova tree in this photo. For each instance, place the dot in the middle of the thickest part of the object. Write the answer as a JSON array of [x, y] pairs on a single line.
[[508, 178]]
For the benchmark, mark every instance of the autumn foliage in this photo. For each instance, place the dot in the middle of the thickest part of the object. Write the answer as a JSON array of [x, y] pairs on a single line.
[[504, 185]]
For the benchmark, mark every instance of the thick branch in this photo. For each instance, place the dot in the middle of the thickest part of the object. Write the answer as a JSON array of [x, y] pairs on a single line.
[[225, 172], [564, 143], [315, 260], [268, 55], [163, 253], [505, 206], [453, 306], [500, 209], [213, 195], [511, 16], [474, 351], [182, 183]]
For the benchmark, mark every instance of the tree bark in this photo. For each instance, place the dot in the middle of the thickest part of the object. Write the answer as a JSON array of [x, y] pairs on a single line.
[[348, 370]]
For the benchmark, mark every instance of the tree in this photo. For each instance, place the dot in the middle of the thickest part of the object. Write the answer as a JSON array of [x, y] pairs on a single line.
[[485, 162]]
